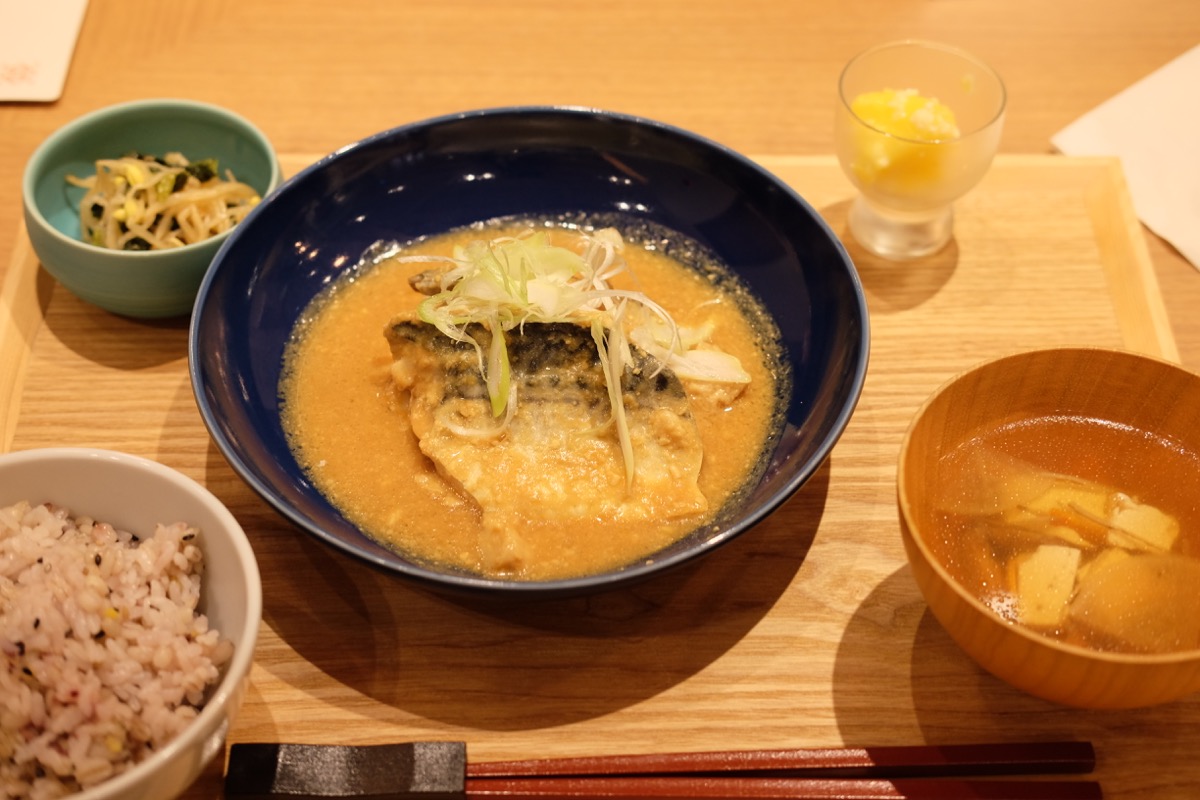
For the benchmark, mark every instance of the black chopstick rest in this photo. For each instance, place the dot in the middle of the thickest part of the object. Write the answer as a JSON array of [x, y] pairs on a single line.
[[425, 770]]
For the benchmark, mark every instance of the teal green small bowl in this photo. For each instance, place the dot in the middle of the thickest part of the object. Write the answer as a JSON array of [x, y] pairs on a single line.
[[145, 284]]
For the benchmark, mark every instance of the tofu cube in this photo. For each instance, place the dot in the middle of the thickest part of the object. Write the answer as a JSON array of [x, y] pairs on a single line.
[[1045, 581], [1149, 528]]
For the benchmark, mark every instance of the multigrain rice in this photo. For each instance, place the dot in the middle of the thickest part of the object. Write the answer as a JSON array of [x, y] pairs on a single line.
[[105, 656]]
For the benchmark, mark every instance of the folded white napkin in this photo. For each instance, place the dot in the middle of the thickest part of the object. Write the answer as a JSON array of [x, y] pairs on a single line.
[[37, 39], [1154, 127]]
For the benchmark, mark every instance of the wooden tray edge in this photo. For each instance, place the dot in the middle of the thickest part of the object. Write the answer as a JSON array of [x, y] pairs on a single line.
[[1140, 310], [21, 314], [1132, 281]]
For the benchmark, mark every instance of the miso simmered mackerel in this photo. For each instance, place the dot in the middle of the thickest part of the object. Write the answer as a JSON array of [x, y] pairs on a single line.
[[535, 404], [556, 461]]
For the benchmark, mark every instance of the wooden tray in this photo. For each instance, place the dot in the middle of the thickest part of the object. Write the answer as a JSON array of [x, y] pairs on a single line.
[[808, 631]]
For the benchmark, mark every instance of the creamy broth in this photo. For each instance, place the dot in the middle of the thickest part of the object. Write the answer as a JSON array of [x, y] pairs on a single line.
[[349, 427]]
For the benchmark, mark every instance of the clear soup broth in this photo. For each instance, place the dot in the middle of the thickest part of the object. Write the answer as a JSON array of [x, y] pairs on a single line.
[[1084, 530]]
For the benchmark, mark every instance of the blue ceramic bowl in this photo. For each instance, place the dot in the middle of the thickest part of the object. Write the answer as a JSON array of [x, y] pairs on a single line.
[[424, 179], [152, 283]]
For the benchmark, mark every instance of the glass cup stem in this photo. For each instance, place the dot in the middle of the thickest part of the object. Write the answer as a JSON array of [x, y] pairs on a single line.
[[900, 235]]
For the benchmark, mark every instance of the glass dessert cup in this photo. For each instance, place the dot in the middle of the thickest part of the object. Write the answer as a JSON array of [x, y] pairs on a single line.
[[916, 127]]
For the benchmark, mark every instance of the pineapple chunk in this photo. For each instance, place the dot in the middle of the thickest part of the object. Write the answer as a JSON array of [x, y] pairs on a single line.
[[907, 114], [899, 142], [1139, 526], [1045, 580]]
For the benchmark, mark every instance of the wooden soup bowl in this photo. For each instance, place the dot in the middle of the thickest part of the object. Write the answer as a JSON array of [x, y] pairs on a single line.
[[1121, 387]]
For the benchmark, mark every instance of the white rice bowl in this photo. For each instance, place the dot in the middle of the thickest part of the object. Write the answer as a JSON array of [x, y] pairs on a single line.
[[130, 603]]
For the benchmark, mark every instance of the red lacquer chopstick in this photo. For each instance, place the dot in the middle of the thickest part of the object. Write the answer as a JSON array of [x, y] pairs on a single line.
[[753, 788], [1019, 758]]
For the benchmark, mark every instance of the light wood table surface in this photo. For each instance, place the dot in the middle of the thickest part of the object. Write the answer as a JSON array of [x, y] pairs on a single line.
[[756, 75], [811, 632]]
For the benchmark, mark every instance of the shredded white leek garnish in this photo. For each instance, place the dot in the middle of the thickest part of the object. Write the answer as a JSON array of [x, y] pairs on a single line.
[[508, 281]]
